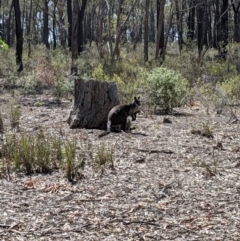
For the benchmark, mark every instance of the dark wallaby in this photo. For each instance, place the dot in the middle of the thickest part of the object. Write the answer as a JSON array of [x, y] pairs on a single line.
[[118, 115]]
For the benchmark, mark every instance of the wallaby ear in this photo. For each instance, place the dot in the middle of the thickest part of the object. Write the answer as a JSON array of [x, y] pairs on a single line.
[[138, 97]]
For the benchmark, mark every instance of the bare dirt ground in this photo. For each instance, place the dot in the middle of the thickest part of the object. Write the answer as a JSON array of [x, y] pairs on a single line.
[[170, 182]]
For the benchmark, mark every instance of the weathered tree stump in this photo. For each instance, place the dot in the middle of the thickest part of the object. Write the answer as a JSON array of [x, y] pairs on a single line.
[[92, 102]]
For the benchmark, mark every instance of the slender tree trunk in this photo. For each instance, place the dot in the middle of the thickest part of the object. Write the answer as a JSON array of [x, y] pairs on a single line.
[[80, 26], [74, 40], [200, 33], [179, 25], [69, 15], [8, 39], [36, 32], [29, 29], [160, 27], [146, 31], [217, 28], [100, 30], [224, 29], [45, 25], [19, 35], [191, 21], [54, 25], [168, 31], [152, 25], [116, 51], [236, 10], [62, 31], [209, 26]]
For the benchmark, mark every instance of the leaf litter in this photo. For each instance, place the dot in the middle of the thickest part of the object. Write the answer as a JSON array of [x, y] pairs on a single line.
[[167, 183]]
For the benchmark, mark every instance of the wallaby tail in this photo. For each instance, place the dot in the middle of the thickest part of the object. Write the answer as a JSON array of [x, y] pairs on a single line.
[[103, 134], [108, 130]]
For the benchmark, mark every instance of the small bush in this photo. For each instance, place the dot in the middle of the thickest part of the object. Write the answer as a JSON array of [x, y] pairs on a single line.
[[60, 89], [14, 114], [70, 153], [232, 87], [104, 157], [166, 88]]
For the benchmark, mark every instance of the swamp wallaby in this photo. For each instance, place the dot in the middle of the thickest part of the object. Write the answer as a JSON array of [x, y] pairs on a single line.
[[118, 115]]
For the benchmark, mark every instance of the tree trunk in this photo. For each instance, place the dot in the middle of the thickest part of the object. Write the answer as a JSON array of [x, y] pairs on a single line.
[[19, 35], [236, 8], [217, 28], [74, 37], [8, 38], [160, 27], [99, 39], [179, 15], [29, 30], [92, 102], [224, 29], [200, 28], [168, 31], [80, 26], [69, 15], [54, 25], [152, 25], [191, 21], [146, 31], [45, 25], [116, 51]]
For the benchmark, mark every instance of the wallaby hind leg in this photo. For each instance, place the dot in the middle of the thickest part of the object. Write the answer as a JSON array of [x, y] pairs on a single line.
[[124, 125]]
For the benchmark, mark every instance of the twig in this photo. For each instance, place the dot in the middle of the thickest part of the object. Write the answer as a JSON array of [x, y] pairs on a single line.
[[95, 200], [155, 151]]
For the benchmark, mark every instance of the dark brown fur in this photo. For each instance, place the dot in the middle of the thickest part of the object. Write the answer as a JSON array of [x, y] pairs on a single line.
[[118, 116]]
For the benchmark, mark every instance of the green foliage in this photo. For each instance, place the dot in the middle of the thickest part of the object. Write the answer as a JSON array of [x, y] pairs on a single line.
[[232, 87], [14, 114], [61, 89], [42, 150], [70, 153], [99, 73], [26, 152], [39, 153], [166, 88], [104, 157], [3, 45], [57, 150], [126, 75], [220, 69]]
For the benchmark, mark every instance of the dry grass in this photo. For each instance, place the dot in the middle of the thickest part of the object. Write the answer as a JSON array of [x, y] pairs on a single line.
[[167, 183]]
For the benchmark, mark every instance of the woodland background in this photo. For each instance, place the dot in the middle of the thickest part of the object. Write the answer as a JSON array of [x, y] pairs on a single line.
[[106, 34]]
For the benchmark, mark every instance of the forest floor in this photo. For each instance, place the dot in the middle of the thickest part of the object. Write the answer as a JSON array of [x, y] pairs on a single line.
[[171, 181]]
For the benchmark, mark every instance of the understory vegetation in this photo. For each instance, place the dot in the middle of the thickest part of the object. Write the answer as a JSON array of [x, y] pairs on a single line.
[[180, 80]]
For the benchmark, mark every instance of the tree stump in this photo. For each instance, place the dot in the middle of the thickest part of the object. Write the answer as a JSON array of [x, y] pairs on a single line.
[[92, 102]]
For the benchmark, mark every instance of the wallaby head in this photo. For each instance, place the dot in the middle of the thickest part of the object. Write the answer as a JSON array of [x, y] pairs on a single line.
[[137, 100]]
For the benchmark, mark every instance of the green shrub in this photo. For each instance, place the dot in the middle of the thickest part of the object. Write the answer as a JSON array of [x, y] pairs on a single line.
[[14, 114], [126, 79], [166, 88], [232, 87], [70, 153], [3, 45], [104, 157]]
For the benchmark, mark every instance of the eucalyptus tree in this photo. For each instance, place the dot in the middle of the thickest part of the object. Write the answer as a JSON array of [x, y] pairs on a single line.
[[146, 34], [74, 39], [236, 9], [160, 29], [45, 35], [19, 35]]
